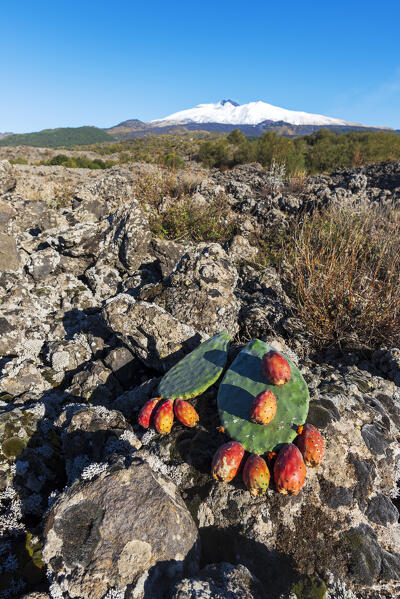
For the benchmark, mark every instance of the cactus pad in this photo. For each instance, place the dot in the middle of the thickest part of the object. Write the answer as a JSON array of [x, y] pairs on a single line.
[[242, 383], [197, 371]]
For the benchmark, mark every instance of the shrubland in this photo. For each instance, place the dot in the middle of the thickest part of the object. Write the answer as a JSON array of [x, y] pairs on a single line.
[[339, 264], [321, 152]]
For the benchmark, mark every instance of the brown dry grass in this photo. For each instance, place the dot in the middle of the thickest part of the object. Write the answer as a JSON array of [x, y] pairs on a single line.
[[153, 188], [344, 269], [298, 182]]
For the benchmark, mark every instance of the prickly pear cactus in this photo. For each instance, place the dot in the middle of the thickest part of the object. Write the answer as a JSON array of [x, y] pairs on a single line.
[[197, 371], [242, 383]]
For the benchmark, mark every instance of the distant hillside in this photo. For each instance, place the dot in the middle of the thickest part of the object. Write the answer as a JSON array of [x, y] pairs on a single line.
[[123, 129], [4, 135], [53, 138], [280, 127]]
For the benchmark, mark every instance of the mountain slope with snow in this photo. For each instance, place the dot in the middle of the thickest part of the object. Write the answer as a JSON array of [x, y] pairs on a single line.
[[230, 113]]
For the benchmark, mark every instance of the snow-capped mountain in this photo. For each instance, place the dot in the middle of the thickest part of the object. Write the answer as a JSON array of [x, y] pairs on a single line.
[[230, 113]]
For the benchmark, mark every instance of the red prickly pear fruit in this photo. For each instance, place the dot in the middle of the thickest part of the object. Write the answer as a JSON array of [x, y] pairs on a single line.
[[264, 408], [146, 414], [256, 475], [226, 461], [275, 368], [185, 413], [164, 418], [289, 470], [310, 444]]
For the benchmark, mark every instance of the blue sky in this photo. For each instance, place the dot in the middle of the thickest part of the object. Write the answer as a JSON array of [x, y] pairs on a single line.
[[99, 63]]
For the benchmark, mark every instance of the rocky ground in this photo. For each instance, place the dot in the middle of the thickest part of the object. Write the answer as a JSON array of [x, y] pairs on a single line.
[[32, 154], [93, 311]]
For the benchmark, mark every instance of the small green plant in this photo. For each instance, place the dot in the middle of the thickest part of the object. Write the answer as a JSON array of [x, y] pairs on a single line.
[[62, 197], [276, 175], [18, 160]]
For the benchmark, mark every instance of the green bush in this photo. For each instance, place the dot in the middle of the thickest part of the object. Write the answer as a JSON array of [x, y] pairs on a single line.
[[172, 161], [78, 162], [58, 160], [19, 160]]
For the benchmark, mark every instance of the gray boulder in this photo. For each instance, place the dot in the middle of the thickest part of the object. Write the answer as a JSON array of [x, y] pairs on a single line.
[[200, 291], [120, 240], [265, 305], [104, 195], [7, 178], [151, 333], [95, 384], [220, 581], [124, 527], [240, 250], [43, 263], [9, 256], [127, 238], [95, 435], [388, 362]]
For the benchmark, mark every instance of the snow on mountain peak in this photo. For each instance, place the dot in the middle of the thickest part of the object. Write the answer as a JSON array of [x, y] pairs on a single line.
[[253, 113]]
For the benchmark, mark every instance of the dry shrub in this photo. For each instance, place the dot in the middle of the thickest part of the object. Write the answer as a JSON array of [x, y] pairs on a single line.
[[344, 275], [187, 220], [188, 181], [63, 196], [152, 189], [173, 214], [298, 182]]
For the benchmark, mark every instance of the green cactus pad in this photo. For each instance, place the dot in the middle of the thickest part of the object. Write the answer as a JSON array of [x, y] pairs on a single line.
[[240, 385], [198, 370]]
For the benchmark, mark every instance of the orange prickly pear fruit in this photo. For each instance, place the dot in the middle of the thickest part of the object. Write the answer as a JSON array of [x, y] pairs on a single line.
[[256, 475], [146, 414], [310, 444], [275, 368], [164, 418], [226, 461], [264, 408], [185, 413], [289, 470]]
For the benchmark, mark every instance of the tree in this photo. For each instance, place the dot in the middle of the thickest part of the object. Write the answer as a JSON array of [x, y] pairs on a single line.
[[236, 137]]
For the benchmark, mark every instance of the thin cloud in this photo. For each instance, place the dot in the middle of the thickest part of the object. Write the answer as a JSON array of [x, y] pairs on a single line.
[[375, 106]]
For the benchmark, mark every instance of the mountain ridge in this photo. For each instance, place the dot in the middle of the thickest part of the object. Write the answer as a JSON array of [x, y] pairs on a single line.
[[226, 115]]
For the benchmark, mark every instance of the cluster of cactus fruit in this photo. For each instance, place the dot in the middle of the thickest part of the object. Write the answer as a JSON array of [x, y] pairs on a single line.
[[161, 413], [263, 403]]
